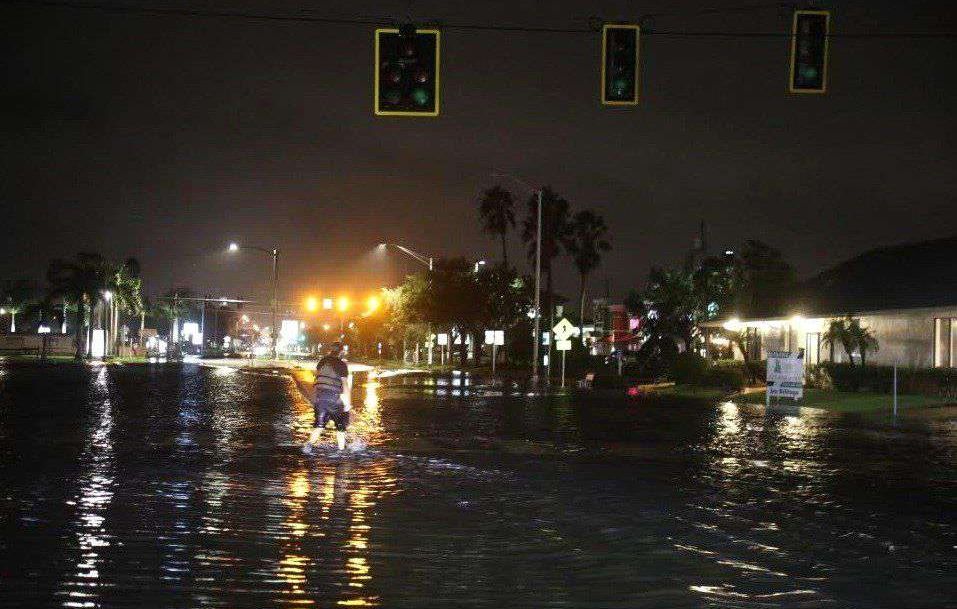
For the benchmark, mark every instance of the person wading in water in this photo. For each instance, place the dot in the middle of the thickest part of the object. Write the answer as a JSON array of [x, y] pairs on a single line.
[[333, 397]]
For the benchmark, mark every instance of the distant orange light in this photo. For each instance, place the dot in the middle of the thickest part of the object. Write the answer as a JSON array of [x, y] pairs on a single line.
[[342, 304], [312, 304], [372, 304]]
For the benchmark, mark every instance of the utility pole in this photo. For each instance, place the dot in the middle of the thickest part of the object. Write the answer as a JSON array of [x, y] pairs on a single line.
[[538, 280], [275, 300], [202, 326]]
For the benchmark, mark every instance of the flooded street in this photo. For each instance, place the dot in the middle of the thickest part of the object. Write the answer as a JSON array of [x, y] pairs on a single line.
[[185, 486]]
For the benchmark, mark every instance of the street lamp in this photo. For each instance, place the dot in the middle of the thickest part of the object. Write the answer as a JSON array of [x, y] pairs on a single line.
[[372, 305], [342, 305], [538, 271], [274, 252], [426, 260]]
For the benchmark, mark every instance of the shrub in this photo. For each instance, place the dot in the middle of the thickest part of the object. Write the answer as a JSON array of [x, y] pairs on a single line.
[[732, 378], [690, 369], [940, 382], [819, 378]]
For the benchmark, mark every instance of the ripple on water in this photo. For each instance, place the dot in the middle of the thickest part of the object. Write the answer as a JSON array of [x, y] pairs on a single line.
[[183, 486]]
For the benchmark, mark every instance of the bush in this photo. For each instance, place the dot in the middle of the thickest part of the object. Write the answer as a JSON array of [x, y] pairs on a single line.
[[691, 369], [941, 382], [818, 377], [732, 378]]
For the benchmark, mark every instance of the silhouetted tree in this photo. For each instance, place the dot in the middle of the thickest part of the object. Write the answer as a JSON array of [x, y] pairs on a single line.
[[586, 243], [497, 208]]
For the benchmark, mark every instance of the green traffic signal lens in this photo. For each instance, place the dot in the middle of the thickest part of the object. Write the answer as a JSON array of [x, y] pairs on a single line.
[[393, 96], [619, 86], [420, 96], [808, 72]]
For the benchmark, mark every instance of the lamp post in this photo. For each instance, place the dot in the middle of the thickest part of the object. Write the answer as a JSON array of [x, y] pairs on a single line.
[[536, 339], [274, 252], [426, 260]]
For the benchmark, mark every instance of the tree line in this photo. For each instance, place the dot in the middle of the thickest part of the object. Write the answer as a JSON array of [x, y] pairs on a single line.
[[461, 299]]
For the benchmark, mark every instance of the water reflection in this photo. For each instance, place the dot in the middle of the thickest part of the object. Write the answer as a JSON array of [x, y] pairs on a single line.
[[293, 565], [93, 498], [187, 488]]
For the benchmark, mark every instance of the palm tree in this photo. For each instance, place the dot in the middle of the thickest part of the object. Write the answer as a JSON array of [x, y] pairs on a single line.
[[863, 339], [175, 305], [15, 297], [126, 287], [81, 280], [586, 243], [555, 232], [498, 215], [841, 332]]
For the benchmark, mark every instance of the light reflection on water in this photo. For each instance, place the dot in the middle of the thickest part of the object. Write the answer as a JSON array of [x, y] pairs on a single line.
[[182, 486]]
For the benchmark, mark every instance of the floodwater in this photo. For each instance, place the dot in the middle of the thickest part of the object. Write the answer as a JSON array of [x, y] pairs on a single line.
[[183, 486]]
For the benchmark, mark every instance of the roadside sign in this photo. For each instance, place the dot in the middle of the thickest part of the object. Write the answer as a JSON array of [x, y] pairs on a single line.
[[785, 375], [495, 337], [443, 339], [565, 330]]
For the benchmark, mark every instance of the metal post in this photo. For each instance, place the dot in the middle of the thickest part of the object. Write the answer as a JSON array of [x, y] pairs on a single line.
[[538, 279], [895, 390], [275, 301], [493, 356], [563, 368], [172, 332], [202, 328]]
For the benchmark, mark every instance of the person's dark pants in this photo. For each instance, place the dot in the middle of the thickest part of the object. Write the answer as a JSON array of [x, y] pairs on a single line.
[[328, 407]]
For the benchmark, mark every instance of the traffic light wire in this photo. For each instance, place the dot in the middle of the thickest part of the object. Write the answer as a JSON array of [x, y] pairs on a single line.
[[467, 26]]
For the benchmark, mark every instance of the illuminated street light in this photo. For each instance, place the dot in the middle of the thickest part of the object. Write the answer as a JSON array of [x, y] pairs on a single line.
[[372, 305], [312, 304], [274, 252], [343, 305], [426, 260], [327, 304]]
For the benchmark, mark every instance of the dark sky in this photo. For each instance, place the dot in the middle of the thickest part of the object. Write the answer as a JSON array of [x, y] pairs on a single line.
[[164, 137]]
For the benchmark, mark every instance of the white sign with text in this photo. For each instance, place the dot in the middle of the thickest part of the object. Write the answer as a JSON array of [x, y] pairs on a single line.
[[785, 374]]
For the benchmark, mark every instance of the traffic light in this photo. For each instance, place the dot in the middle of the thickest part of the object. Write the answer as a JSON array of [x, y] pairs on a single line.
[[619, 65], [407, 72], [809, 38]]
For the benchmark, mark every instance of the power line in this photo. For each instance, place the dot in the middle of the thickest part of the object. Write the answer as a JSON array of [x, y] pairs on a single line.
[[472, 26]]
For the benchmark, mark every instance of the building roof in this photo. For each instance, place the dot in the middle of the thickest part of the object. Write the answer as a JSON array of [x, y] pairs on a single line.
[[913, 275]]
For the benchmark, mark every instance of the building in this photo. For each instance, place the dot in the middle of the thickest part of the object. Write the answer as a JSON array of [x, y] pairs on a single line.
[[905, 295], [613, 329]]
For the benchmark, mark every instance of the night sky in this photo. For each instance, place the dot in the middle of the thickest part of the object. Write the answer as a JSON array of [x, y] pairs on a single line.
[[165, 137]]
